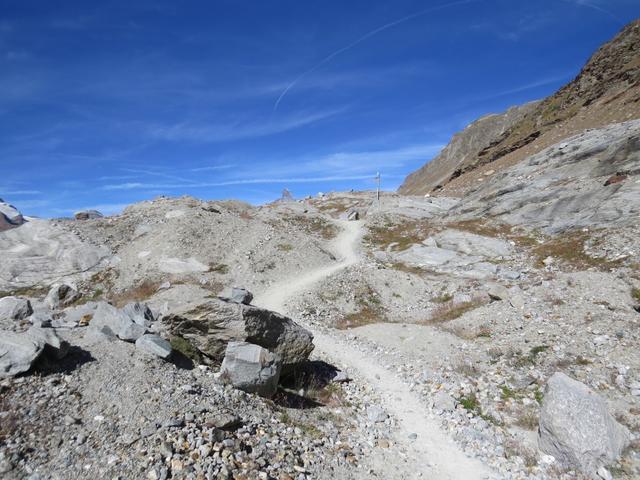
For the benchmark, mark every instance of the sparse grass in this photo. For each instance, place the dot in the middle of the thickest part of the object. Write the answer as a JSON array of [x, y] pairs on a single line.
[[507, 393], [527, 419], [470, 403], [444, 298], [219, 268], [402, 235], [532, 357], [285, 247], [635, 294], [314, 226], [450, 311], [470, 333], [184, 346], [33, 291], [308, 428], [406, 268], [365, 316], [513, 449], [538, 395], [569, 248], [138, 293]]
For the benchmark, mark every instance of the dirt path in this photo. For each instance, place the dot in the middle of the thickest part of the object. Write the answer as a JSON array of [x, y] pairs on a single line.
[[432, 454]]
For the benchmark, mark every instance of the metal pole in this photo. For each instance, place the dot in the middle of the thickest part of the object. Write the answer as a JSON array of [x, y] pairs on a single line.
[[378, 187]]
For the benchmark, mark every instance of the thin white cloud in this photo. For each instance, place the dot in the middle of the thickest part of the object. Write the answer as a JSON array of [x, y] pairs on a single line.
[[212, 168], [361, 39], [7, 193], [237, 130], [595, 5]]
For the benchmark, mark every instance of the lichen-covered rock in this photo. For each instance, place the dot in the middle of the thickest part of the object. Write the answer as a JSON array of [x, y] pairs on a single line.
[[212, 325], [577, 428]]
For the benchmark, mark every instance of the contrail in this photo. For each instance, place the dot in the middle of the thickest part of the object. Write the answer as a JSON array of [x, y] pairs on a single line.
[[366, 36], [592, 5]]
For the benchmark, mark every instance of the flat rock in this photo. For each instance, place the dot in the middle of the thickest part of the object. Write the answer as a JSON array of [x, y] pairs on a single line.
[[251, 368], [154, 345], [576, 427]]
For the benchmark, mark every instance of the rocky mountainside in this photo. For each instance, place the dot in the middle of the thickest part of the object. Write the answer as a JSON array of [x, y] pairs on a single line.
[[606, 91], [494, 337]]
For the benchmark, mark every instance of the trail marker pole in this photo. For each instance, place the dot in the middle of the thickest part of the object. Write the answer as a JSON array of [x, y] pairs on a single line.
[[378, 187]]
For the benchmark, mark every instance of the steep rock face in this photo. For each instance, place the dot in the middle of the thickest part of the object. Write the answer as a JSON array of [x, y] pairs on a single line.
[[607, 90], [463, 150]]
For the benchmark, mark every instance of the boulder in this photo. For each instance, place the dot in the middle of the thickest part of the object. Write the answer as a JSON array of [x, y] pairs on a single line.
[[241, 295], [251, 368], [498, 292], [154, 345], [576, 427], [10, 217], [210, 326], [18, 352], [61, 295], [140, 313], [110, 320], [15, 308], [87, 215], [353, 215], [54, 345]]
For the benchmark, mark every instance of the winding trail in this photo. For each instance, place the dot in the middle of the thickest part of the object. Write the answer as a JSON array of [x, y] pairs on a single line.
[[433, 454]]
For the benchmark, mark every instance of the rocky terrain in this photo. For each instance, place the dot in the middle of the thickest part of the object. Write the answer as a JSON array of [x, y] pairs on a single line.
[[606, 91], [487, 336]]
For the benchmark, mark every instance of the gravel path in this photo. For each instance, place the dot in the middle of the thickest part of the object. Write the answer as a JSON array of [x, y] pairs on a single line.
[[429, 452]]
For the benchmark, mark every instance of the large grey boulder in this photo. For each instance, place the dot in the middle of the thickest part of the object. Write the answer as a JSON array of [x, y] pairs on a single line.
[[15, 308], [154, 345], [18, 352], [61, 295], [10, 217], [110, 320], [210, 326], [251, 368], [576, 427], [54, 345]]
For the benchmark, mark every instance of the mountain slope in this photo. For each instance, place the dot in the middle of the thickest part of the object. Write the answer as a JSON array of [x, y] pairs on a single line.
[[606, 91]]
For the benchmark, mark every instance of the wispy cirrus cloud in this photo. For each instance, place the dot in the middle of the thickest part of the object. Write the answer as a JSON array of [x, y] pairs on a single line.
[[237, 130]]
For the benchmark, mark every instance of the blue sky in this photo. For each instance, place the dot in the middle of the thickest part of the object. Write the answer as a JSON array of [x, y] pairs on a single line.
[[103, 104]]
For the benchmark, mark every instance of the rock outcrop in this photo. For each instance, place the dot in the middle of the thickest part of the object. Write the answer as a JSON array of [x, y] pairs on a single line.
[[61, 295], [10, 217], [576, 427], [605, 91]]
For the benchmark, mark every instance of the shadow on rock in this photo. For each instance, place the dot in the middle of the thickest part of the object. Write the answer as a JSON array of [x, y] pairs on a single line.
[[180, 360], [75, 358], [312, 375]]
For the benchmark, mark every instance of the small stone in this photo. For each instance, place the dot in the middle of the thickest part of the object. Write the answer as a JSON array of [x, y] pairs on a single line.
[[376, 414]]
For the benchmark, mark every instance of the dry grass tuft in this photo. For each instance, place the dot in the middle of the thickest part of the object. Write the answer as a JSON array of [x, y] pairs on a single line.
[[569, 248], [401, 235], [450, 310], [365, 316], [138, 293]]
